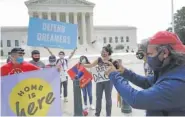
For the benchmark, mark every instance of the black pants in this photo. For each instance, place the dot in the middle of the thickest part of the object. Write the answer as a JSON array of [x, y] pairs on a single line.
[[100, 88], [64, 84]]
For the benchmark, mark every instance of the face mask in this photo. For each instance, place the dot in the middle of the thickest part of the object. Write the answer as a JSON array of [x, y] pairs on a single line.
[[19, 60], [61, 56], [36, 59], [83, 61], [52, 63], [154, 62]]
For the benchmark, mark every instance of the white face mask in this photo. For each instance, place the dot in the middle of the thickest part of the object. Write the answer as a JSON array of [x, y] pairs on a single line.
[[83, 61], [61, 56], [52, 63]]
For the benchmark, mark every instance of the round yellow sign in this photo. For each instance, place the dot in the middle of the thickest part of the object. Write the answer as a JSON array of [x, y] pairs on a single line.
[[31, 97]]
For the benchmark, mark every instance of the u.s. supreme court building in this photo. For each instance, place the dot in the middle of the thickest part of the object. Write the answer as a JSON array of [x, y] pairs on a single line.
[[79, 12]]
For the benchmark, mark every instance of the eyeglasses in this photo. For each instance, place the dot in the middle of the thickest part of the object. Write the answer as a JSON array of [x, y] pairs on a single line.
[[21, 53]]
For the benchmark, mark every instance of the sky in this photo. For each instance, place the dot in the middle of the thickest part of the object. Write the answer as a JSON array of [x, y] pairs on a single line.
[[149, 16]]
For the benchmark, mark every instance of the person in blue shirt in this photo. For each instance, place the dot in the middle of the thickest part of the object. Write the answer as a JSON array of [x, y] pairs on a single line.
[[163, 93]]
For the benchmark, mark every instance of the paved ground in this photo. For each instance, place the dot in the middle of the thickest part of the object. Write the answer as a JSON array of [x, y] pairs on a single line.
[[68, 107], [131, 62]]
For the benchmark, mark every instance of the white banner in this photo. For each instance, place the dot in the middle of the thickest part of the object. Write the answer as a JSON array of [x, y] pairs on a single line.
[[98, 73]]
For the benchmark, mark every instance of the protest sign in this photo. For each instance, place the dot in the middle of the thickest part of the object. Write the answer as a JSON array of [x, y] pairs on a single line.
[[52, 34], [80, 72], [98, 73], [35, 93]]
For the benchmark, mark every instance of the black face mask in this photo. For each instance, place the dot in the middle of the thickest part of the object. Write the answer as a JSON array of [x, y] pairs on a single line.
[[154, 62], [36, 59]]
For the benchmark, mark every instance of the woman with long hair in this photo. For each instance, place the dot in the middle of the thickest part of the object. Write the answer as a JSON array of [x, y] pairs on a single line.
[[105, 85], [87, 90]]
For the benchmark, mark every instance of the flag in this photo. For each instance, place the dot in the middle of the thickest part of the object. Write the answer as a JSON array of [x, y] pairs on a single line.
[[78, 71], [35, 93]]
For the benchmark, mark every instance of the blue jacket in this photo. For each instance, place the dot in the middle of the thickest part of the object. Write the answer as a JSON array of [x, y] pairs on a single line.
[[162, 96]]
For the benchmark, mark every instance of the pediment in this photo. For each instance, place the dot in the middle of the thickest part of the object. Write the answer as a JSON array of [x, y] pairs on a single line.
[[62, 2]]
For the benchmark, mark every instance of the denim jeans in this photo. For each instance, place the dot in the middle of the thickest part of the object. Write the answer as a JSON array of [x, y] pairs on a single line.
[[87, 90]]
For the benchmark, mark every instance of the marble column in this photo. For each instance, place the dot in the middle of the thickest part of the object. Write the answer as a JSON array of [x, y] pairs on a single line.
[[75, 18], [40, 15], [58, 16], [67, 17], [30, 13], [49, 16], [75, 21], [90, 26], [83, 28]]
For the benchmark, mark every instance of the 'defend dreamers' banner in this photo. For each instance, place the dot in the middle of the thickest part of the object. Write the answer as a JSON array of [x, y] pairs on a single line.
[[35, 93], [52, 34]]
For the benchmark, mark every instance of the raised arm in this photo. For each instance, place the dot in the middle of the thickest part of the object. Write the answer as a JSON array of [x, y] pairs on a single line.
[[49, 50], [72, 53], [93, 64]]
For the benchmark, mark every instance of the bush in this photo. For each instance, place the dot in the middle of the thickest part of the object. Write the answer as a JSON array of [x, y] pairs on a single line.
[[119, 47]]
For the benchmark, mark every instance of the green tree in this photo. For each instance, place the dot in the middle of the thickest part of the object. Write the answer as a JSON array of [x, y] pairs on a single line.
[[179, 24]]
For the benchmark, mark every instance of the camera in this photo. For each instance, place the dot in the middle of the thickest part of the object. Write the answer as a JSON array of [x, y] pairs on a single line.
[[140, 54], [116, 64]]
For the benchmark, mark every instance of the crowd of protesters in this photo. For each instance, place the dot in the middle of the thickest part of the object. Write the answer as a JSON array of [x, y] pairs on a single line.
[[163, 84]]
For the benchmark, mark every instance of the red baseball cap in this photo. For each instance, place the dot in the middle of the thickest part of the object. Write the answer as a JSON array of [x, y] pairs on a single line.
[[165, 37]]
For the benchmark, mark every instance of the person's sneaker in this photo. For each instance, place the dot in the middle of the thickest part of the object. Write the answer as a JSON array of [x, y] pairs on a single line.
[[65, 99], [85, 107], [92, 107], [127, 110]]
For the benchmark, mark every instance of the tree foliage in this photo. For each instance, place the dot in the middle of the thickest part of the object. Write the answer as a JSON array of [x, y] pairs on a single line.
[[179, 24]]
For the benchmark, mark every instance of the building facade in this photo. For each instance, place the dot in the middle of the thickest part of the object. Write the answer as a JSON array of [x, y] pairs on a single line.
[[103, 35], [80, 12], [121, 38]]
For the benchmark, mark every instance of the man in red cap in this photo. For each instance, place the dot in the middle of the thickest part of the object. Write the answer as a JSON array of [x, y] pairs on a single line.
[[163, 94], [168, 38]]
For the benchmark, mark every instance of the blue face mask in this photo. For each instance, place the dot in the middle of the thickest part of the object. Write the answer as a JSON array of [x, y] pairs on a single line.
[[154, 62], [19, 60]]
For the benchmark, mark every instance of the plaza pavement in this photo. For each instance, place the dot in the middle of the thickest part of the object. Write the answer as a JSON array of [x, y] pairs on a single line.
[[133, 64]]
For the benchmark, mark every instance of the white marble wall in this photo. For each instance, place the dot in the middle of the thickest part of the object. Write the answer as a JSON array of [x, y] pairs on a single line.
[[20, 33]]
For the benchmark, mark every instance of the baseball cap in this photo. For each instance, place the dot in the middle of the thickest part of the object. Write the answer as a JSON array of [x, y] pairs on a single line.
[[165, 37], [35, 52], [16, 50], [52, 58]]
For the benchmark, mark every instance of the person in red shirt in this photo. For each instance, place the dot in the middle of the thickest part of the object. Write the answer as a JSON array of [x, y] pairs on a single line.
[[17, 64]]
